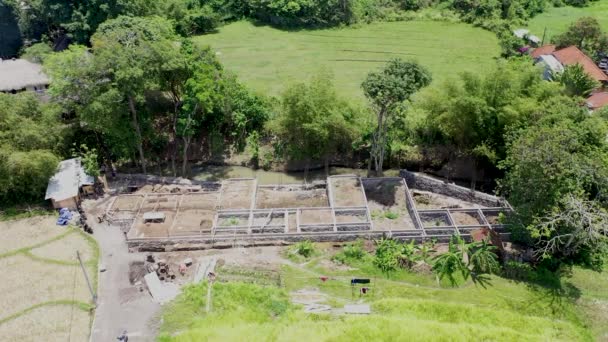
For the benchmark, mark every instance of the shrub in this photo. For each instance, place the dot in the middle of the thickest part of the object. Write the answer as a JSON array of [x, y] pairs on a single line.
[[387, 255], [352, 251], [518, 271], [304, 248], [391, 215]]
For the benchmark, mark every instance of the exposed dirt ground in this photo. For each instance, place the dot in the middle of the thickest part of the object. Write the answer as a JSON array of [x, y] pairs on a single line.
[[385, 198], [430, 200], [272, 198], [347, 192], [237, 194], [131, 203], [316, 216], [463, 218], [193, 221]]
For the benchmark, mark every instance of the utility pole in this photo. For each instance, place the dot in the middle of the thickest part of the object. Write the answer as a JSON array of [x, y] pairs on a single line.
[[86, 277]]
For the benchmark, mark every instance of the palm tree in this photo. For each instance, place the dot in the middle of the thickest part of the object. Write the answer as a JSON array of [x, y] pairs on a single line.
[[576, 81], [482, 258], [452, 262]]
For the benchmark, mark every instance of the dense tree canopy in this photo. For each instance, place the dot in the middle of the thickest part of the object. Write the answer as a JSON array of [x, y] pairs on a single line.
[[314, 122], [31, 137]]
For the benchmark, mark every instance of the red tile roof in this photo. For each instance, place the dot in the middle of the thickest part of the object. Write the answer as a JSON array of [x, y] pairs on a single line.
[[597, 100], [572, 55], [543, 50]]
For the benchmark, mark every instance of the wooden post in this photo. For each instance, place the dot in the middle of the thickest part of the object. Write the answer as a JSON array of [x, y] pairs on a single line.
[[86, 277]]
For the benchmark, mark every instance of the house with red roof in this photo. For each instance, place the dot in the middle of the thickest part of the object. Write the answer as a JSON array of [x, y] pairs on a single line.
[[555, 60]]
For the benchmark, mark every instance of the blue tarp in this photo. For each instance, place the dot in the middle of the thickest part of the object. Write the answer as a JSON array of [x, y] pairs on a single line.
[[65, 215]]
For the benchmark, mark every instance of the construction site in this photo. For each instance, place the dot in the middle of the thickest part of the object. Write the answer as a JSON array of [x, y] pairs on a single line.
[[168, 215]]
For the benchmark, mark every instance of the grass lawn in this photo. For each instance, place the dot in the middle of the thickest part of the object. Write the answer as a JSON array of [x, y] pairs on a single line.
[[557, 19], [268, 59], [406, 306]]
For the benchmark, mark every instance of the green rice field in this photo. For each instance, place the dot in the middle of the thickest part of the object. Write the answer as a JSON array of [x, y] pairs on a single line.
[[557, 19], [268, 59]]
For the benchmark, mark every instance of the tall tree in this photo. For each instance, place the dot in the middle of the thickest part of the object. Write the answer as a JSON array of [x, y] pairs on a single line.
[[386, 89], [556, 179], [314, 121], [585, 33]]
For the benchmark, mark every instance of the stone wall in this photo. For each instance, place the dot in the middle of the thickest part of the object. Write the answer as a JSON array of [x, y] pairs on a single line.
[[423, 182]]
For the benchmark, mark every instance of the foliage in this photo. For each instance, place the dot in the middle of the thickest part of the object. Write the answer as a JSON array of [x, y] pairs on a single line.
[[351, 251], [10, 37], [387, 89], [466, 260], [30, 139], [586, 34], [88, 158], [57, 19], [576, 81], [37, 53], [476, 112], [387, 255], [314, 122], [305, 249], [391, 215], [553, 169]]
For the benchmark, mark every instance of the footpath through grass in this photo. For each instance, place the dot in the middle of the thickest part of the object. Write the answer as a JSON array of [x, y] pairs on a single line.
[[268, 59], [557, 19], [406, 306]]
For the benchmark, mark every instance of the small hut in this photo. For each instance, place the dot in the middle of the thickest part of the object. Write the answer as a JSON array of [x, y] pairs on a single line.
[[17, 75], [66, 185]]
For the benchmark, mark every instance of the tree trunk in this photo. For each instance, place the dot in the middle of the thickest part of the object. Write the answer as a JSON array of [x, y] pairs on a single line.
[[174, 142], [185, 156], [306, 166], [138, 134], [327, 165], [379, 142]]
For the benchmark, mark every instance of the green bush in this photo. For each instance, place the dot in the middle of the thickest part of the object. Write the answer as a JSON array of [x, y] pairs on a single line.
[[391, 215], [304, 248], [352, 251]]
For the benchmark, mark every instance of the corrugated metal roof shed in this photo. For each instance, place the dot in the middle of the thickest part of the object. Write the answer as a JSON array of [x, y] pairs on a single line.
[[67, 181]]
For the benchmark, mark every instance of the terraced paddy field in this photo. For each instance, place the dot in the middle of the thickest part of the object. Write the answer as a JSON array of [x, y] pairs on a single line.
[[269, 59], [45, 296], [557, 19]]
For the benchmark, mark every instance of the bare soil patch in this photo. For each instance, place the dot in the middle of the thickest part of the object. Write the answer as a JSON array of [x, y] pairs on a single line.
[[287, 198], [65, 249], [28, 232], [347, 192], [207, 201], [316, 216], [430, 200], [48, 323], [464, 218], [141, 229], [193, 221], [160, 202], [129, 203], [237, 194], [386, 199]]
